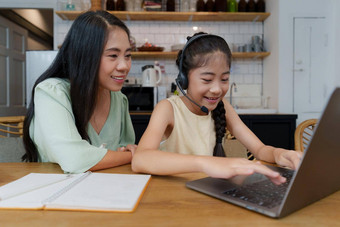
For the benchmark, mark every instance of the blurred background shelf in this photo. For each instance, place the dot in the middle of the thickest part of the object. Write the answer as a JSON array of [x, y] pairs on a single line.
[[176, 16], [173, 54]]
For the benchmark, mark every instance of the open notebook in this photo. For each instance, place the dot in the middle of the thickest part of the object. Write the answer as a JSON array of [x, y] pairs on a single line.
[[87, 191]]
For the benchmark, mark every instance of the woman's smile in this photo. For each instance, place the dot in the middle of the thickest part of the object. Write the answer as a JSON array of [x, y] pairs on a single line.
[[118, 79]]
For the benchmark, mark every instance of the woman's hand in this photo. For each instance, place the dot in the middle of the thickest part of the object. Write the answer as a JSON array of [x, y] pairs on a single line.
[[129, 148], [229, 167], [288, 158]]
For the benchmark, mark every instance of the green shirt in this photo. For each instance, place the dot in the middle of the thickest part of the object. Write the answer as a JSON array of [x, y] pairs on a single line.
[[56, 137]]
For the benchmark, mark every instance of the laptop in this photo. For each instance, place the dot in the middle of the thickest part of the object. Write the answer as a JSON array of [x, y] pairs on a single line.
[[317, 176]]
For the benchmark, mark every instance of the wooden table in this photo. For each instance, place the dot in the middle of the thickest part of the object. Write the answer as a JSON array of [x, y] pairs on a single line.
[[166, 202]]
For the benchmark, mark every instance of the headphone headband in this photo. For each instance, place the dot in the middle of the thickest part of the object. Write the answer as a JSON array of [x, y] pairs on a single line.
[[182, 78], [190, 41]]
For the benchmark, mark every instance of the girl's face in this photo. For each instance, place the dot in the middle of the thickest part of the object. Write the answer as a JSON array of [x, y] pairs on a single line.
[[115, 62], [208, 84]]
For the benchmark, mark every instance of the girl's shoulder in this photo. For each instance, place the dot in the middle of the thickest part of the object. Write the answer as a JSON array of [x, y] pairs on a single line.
[[164, 109], [164, 105]]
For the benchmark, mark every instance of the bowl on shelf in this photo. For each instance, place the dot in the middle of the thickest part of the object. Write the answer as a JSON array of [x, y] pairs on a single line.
[[153, 48]]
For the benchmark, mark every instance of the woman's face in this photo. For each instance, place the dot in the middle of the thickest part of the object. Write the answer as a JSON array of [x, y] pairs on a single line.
[[208, 84], [115, 62]]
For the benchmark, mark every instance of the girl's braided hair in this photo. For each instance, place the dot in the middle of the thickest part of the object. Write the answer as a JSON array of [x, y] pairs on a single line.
[[218, 115]]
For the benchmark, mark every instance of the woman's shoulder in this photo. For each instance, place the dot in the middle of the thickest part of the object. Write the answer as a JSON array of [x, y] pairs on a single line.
[[57, 88], [118, 94], [119, 97], [54, 83]]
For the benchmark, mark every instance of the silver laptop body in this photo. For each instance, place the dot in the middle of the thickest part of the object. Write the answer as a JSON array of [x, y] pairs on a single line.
[[317, 176]]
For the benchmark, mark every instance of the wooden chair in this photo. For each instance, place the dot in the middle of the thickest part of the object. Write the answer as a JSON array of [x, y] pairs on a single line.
[[303, 134], [234, 148], [11, 126]]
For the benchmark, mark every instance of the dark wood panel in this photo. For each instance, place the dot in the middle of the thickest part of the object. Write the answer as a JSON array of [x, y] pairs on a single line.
[[275, 130]]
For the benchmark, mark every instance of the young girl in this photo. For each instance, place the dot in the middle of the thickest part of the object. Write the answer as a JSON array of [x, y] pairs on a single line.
[[78, 117], [193, 126]]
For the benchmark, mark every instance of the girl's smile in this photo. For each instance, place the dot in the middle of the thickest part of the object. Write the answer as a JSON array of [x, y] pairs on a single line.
[[212, 100]]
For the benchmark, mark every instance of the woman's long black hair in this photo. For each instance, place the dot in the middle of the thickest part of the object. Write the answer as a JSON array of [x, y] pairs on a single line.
[[77, 60], [196, 55]]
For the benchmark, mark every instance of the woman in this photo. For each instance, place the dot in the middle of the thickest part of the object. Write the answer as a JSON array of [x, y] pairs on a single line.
[[77, 116]]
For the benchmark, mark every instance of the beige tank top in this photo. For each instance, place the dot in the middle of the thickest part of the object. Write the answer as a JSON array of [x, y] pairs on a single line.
[[192, 134]]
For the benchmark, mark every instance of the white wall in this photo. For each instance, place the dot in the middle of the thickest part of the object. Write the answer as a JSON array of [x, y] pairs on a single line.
[[336, 42], [271, 63], [278, 74]]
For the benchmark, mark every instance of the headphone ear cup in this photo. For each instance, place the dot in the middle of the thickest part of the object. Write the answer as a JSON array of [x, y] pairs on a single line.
[[183, 80]]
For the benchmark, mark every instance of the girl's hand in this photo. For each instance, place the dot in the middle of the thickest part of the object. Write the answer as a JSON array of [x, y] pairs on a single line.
[[288, 158], [229, 167]]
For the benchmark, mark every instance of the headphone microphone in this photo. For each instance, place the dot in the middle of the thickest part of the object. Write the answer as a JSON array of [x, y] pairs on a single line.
[[202, 108]]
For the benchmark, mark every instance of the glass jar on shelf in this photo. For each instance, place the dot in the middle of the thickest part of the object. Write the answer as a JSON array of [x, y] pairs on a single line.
[[260, 6], [192, 5], [120, 5], [209, 6], [110, 5], [242, 6], [232, 6], [185, 4], [251, 6], [137, 5], [170, 5], [129, 5], [200, 6], [221, 5]]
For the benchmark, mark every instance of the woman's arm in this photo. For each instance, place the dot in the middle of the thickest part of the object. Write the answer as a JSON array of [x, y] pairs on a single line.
[[122, 156], [113, 159], [263, 152]]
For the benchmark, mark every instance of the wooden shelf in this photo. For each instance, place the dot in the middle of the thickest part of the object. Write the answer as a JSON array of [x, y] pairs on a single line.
[[250, 54], [154, 54], [175, 16], [173, 55]]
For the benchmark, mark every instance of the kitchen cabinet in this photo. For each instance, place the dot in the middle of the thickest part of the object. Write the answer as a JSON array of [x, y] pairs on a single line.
[[140, 121], [272, 129], [181, 16]]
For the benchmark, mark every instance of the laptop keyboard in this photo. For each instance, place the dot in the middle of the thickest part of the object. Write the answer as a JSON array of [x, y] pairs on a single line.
[[263, 193]]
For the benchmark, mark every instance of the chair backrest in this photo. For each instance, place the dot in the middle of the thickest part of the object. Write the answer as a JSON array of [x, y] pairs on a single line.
[[11, 126], [303, 134], [11, 149], [233, 148]]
